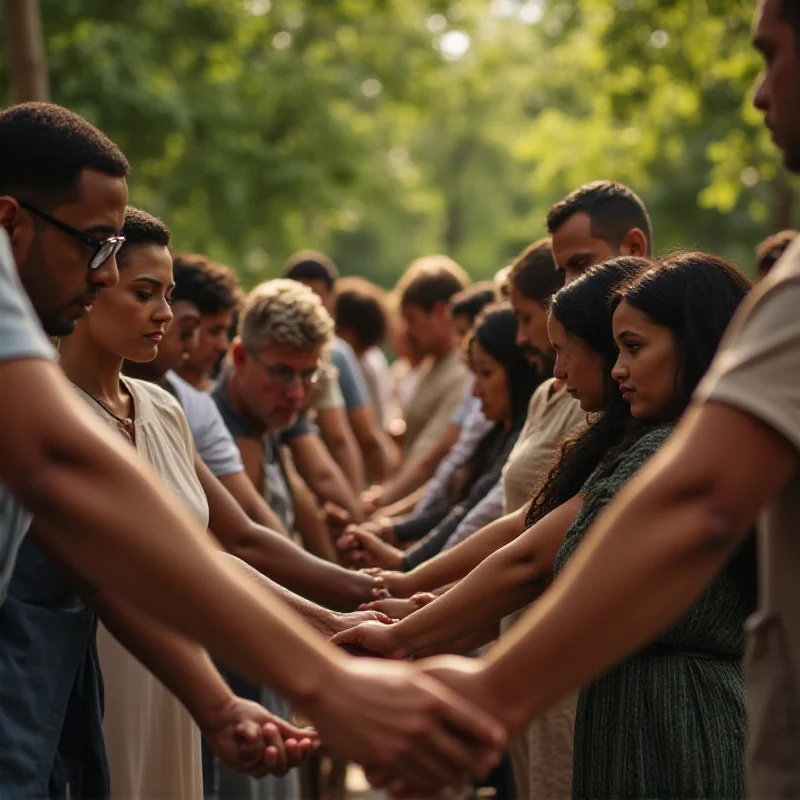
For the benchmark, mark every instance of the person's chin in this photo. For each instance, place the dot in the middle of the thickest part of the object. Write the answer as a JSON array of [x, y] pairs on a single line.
[[284, 419]]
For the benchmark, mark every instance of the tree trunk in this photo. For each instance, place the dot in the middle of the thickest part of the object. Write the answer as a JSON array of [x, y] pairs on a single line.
[[26, 51]]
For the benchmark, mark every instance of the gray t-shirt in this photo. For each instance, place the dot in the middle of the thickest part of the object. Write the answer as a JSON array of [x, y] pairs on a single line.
[[20, 337], [351, 380], [211, 436]]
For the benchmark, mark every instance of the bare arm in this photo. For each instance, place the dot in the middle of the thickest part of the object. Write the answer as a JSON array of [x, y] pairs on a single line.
[[506, 581], [104, 514], [452, 565], [310, 521], [339, 438], [251, 502], [277, 556], [696, 500], [418, 470], [381, 454], [322, 474]]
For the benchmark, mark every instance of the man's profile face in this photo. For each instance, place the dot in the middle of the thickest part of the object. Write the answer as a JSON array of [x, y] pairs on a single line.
[[778, 93], [54, 266], [575, 249]]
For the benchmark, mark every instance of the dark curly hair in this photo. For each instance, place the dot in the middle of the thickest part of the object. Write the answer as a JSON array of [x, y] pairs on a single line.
[[43, 150], [141, 229], [360, 306], [584, 308], [210, 286]]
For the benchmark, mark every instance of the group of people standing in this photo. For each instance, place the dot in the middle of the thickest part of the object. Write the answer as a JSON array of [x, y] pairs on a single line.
[[213, 501]]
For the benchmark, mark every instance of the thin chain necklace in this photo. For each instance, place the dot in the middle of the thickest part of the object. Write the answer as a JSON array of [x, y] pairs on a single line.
[[124, 425]]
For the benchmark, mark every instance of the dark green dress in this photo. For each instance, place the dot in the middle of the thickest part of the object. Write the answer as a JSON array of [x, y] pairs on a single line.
[[670, 722]]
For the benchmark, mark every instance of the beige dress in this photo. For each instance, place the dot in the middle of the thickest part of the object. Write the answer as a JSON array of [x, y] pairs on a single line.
[[153, 744], [541, 755]]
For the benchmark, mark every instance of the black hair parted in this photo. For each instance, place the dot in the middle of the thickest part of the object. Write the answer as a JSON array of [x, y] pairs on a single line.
[[141, 229], [533, 273], [212, 287], [471, 301], [311, 265], [612, 207], [44, 148], [695, 296], [584, 308]]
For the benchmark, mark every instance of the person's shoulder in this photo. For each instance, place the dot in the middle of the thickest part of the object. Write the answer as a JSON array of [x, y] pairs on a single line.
[[151, 397], [650, 441]]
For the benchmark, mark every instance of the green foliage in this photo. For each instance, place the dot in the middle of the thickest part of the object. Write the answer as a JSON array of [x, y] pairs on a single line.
[[362, 127]]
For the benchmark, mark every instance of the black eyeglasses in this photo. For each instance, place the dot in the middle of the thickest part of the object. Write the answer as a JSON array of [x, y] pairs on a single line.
[[103, 248]]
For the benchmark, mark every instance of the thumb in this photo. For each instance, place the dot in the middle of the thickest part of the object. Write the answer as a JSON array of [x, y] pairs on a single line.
[[248, 730]]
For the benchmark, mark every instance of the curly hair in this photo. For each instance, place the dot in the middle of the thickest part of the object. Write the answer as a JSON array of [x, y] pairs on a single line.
[[141, 229], [285, 312], [210, 286]]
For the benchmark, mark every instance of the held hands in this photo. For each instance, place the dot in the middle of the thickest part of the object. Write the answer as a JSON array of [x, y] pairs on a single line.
[[398, 608], [361, 547], [251, 740], [407, 729], [375, 638]]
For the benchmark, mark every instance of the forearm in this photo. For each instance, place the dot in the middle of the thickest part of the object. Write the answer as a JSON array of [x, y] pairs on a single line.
[[454, 564], [405, 505], [310, 522], [619, 590], [466, 644], [182, 666], [503, 583], [319, 618], [251, 502], [376, 460], [413, 473], [345, 454]]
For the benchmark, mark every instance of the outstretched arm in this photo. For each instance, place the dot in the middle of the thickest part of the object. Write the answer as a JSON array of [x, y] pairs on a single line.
[[696, 501]]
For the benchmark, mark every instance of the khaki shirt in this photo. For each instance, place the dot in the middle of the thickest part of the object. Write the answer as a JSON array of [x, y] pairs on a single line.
[[758, 371]]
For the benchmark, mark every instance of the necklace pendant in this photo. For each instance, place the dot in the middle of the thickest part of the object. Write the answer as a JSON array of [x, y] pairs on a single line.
[[126, 429]]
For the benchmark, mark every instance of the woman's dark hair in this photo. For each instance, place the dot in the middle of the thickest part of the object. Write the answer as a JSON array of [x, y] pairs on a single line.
[[495, 330], [584, 309], [694, 295], [140, 229]]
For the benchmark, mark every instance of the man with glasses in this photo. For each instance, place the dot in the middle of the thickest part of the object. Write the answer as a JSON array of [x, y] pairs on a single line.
[[102, 512]]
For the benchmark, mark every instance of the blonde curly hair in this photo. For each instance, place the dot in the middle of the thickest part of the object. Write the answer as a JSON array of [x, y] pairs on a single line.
[[285, 312]]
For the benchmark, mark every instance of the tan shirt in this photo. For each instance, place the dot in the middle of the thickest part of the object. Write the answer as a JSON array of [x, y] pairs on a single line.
[[758, 371], [153, 743], [552, 414], [437, 395]]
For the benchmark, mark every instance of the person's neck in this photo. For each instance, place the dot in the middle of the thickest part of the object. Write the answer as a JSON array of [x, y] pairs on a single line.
[[192, 376], [236, 400], [442, 349], [94, 369]]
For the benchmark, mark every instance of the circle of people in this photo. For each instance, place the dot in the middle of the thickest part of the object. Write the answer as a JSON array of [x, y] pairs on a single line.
[[236, 543]]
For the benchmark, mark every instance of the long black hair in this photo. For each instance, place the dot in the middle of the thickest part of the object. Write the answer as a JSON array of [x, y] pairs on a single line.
[[694, 295], [584, 309], [495, 330]]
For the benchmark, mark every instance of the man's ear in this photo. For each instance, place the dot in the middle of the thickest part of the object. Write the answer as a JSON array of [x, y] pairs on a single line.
[[635, 243], [18, 227], [238, 353]]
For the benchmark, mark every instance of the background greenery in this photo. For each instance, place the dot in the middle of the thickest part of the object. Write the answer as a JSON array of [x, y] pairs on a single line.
[[380, 130]]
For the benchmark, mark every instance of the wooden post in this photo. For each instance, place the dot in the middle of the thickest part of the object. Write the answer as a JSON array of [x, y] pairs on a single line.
[[26, 51]]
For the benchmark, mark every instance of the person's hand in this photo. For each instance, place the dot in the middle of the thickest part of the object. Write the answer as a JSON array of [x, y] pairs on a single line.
[[394, 607], [374, 637], [405, 727], [361, 548], [337, 519], [371, 500], [346, 620], [397, 584], [251, 740]]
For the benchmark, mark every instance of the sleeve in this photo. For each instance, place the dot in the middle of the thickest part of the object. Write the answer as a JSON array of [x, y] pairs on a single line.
[[302, 427], [758, 364], [351, 381], [418, 525], [327, 394], [21, 335], [487, 510], [216, 445]]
